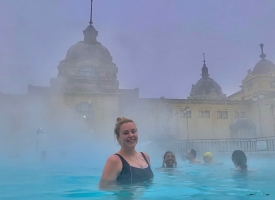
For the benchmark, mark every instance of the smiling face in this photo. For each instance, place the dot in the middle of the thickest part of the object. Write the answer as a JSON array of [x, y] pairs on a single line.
[[169, 159], [128, 135]]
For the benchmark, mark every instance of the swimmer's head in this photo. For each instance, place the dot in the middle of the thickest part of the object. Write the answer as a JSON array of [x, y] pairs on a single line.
[[191, 154], [169, 159], [207, 157], [126, 132], [239, 159]]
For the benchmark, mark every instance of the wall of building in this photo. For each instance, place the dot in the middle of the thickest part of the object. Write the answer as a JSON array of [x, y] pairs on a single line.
[[106, 110], [205, 128]]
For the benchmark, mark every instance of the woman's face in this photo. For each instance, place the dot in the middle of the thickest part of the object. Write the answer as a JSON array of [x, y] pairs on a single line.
[[128, 135], [169, 159]]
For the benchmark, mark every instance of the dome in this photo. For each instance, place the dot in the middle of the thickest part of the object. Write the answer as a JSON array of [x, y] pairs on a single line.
[[87, 50], [242, 123], [263, 67], [206, 88]]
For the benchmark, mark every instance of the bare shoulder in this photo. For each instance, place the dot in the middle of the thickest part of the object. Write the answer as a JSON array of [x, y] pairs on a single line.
[[113, 159], [113, 163], [112, 168]]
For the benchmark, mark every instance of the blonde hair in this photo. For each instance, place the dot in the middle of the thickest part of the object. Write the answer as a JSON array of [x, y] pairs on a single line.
[[119, 122]]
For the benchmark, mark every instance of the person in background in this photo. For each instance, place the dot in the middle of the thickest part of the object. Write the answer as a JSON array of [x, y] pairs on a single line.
[[169, 160], [191, 155], [208, 158], [128, 165], [239, 159]]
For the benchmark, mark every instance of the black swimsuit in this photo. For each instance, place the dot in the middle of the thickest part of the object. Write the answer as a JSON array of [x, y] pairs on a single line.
[[131, 174]]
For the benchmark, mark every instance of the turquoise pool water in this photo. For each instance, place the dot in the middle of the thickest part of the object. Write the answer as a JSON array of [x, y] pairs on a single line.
[[79, 180]]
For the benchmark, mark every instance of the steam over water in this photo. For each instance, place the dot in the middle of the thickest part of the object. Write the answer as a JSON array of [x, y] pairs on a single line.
[[156, 47]]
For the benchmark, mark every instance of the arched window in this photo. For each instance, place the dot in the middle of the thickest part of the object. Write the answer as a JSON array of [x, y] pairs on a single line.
[[85, 111], [87, 72]]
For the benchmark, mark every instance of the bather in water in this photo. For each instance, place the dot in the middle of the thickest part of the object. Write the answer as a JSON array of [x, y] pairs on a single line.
[[208, 159], [239, 159], [127, 166], [191, 155], [169, 160]]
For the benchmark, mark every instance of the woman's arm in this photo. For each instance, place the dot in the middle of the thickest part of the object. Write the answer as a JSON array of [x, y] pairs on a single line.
[[110, 172]]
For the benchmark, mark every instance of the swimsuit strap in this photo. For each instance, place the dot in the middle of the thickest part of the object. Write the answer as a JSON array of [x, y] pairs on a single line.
[[144, 158], [122, 160]]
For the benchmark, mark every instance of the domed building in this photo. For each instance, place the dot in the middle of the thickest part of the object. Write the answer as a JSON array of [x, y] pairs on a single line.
[[88, 48], [206, 88], [88, 66], [87, 80], [258, 94], [260, 79], [86, 91]]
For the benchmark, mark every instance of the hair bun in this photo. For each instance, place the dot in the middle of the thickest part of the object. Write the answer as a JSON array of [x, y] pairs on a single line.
[[120, 119]]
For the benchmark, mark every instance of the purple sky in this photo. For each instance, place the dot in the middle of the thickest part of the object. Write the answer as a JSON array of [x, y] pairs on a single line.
[[157, 45]]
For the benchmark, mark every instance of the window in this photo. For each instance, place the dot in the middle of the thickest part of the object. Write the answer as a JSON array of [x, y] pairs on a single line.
[[222, 114], [219, 114], [201, 114], [225, 114], [87, 72], [204, 114], [85, 111], [183, 114]]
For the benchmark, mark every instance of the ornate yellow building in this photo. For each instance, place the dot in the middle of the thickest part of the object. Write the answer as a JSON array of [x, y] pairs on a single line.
[[86, 90]]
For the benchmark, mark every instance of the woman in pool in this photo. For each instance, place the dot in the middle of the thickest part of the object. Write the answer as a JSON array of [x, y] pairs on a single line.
[[239, 159], [127, 166], [169, 160]]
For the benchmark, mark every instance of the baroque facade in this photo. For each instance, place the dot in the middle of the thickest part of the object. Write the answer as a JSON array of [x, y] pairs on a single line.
[[86, 90]]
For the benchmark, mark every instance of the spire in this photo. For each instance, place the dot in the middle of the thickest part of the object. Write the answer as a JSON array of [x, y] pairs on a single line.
[[91, 14], [204, 69], [90, 33], [262, 56]]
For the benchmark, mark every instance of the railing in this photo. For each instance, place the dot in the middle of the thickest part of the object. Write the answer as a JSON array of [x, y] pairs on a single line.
[[262, 144]]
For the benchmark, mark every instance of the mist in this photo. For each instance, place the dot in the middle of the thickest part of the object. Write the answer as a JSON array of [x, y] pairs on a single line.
[[53, 119], [157, 48], [157, 40]]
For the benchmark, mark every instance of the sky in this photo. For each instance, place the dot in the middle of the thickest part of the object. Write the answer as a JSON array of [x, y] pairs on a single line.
[[157, 45]]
